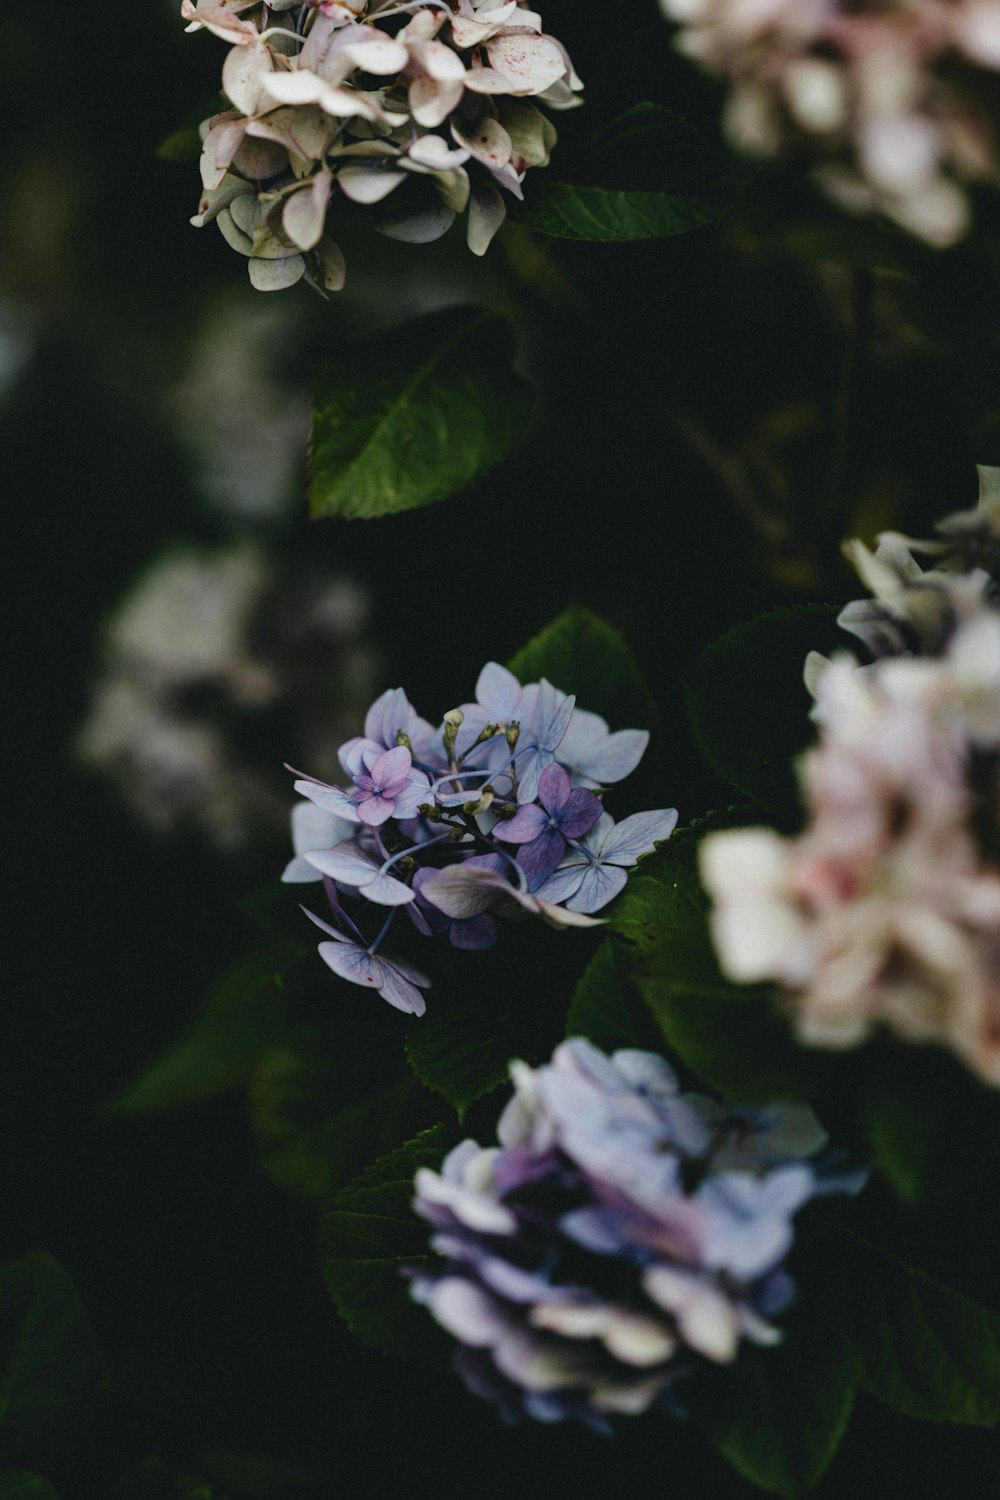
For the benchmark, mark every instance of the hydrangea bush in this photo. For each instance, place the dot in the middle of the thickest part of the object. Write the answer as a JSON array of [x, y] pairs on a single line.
[[410, 113]]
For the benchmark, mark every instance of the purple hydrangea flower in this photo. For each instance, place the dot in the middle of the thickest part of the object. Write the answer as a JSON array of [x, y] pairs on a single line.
[[594, 756], [598, 1253], [592, 872], [542, 827], [398, 982], [386, 786]]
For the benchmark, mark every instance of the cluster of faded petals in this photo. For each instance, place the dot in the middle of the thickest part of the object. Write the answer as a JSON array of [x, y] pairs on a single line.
[[414, 112], [886, 909], [892, 101]]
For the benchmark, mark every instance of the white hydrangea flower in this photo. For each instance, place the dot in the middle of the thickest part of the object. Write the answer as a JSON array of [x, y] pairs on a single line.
[[344, 102], [886, 100]]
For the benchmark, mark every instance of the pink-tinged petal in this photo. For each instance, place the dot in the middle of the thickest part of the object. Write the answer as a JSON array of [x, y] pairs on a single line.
[[244, 74], [488, 141], [392, 767], [374, 811], [531, 62], [331, 798], [398, 992], [528, 823], [414, 794], [635, 836]]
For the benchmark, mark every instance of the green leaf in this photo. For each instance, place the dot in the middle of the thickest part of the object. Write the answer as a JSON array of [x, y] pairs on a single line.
[[320, 1114], [933, 1132], [649, 175], [731, 1036], [582, 654], [416, 415], [241, 1013], [926, 1350], [748, 704], [19, 1484], [602, 1008], [52, 1374], [367, 1235], [462, 1048], [779, 1415], [154, 1479]]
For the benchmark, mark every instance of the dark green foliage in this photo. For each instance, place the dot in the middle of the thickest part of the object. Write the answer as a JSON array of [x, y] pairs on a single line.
[[749, 707], [52, 1374], [648, 175], [416, 415], [582, 654], [368, 1233]]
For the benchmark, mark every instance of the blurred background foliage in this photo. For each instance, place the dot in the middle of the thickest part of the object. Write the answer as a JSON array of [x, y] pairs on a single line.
[[715, 411]]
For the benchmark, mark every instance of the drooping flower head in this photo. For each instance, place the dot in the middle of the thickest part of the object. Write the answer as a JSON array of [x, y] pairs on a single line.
[[892, 103], [409, 114], [621, 1233], [485, 817]]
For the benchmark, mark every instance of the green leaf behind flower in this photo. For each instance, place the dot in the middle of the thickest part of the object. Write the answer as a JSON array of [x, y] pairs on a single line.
[[52, 1373], [367, 1234], [20, 1484], [583, 654], [749, 707], [779, 1415], [648, 175], [926, 1350], [729, 1035], [241, 1013], [416, 415]]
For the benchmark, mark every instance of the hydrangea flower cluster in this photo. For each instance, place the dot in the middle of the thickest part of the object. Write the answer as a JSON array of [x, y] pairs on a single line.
[[495, 813], [886, 909], [412, 112], [892, 101], [620, 1234]]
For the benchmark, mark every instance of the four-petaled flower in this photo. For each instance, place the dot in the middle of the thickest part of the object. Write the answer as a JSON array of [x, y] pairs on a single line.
[[593, 871], [564, 812]]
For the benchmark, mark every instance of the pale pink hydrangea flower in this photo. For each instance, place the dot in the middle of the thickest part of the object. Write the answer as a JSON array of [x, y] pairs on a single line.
[[416, 112], [888, 98], [885, 911]]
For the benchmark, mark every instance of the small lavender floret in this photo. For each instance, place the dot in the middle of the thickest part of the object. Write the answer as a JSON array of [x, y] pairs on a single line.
[[609, 1245]]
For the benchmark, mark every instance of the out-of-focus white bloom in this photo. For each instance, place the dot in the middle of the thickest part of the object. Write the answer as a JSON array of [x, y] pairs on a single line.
[[886, 100], [886, 910], [333, 104], [206, 650]]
